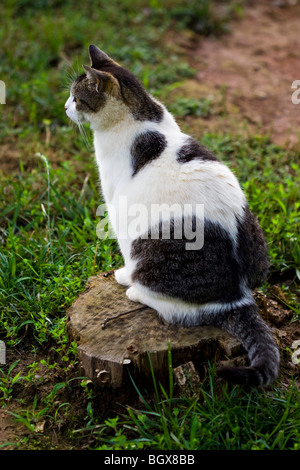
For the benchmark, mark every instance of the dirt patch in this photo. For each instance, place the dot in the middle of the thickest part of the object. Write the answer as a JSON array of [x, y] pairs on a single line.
[[251, 70], [46, 433], [9, 158], [8, 431]]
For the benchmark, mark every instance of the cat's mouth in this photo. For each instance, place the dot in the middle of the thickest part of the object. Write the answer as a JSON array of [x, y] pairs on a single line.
[[74, 115]]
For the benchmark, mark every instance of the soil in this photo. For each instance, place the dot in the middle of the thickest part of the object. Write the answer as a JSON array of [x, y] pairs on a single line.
[[250, 71]]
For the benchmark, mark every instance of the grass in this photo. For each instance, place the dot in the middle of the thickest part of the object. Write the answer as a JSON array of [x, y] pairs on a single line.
[[49, 196], [211, 420], [41, 273]]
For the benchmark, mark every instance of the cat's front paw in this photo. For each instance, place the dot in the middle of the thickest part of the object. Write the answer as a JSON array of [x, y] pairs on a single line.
[[122, 277], [133, 294]]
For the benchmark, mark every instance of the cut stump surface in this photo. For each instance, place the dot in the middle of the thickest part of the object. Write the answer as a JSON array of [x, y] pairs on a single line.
[[110, 345]]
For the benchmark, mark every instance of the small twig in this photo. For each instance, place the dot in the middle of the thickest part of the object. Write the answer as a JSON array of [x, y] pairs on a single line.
[[121, 315]]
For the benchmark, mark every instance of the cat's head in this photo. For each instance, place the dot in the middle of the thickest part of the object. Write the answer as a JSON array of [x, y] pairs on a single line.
[[107, 93]]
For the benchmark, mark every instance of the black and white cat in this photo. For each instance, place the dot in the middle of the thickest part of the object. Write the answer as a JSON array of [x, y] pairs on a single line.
[[143, 157]]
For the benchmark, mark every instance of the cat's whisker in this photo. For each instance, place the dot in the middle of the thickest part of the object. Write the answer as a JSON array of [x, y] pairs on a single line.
[[70, 75], [83, 134]]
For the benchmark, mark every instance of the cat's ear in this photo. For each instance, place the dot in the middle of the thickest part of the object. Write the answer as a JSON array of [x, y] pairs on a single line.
[[105, 82], [99, 59]]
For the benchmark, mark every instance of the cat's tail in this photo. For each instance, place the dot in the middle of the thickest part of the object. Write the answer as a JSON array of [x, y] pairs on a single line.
[[249, 328]]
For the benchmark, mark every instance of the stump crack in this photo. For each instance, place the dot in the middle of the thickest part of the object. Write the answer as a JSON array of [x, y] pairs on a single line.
[[114, 317]]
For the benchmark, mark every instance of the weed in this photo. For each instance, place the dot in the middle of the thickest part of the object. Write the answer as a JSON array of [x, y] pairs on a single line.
[[216, 419], [182, 107], [8, 381]]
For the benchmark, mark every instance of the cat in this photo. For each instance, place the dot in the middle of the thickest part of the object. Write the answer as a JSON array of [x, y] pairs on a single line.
[[143, 156]]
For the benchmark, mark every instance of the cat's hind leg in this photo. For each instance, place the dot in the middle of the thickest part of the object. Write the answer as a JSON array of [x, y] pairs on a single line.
[[170, 310]]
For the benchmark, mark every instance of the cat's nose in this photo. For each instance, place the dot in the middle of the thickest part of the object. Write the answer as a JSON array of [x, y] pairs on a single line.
[[66, 107]]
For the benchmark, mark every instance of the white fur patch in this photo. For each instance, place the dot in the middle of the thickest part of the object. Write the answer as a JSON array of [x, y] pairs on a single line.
[[71, 111], [177, 311]]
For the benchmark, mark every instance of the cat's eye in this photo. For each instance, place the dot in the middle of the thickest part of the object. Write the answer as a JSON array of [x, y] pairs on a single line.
[[75, 99]]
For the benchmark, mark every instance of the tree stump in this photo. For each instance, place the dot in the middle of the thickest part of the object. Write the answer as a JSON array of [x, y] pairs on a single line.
[[118, 338]]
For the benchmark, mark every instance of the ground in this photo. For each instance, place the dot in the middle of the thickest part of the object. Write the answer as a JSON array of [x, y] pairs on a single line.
[[250, 72]]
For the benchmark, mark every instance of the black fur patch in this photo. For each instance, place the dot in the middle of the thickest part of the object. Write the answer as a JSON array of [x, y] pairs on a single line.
[[140, 103], [252, 250], [210, 274], [146, 147], [142, 106], [192, 150]]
